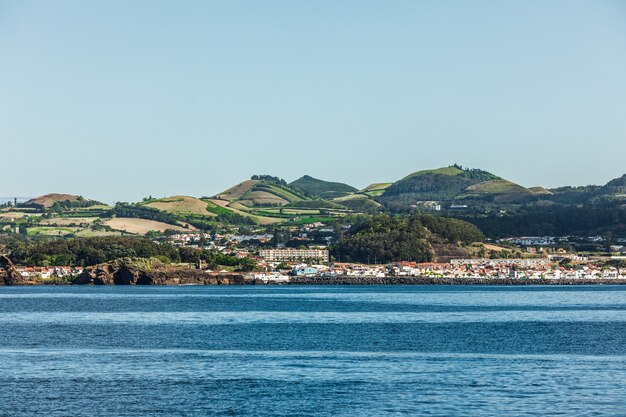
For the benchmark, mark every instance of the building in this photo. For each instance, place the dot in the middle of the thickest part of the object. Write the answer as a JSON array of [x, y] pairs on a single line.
[[522, 263], [305, 270], [298, 255]]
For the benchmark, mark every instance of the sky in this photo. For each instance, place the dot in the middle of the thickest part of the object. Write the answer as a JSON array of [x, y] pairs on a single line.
[[117, 100]]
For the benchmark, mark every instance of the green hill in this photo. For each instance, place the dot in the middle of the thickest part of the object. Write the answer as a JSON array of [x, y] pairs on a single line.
[[502, 190], [323, 189], [438, 184], [376, 189], [451, 170], [60, 202], [616, 186], [453, 183], [262, 193]]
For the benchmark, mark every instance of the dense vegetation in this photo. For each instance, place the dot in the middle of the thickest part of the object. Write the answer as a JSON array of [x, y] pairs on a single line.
[[142, 212], [269, 178], [385, 238], [92, 251], [86, 252], [552, 221]]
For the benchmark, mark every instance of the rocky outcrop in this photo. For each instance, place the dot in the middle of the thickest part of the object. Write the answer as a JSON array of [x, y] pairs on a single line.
[[9, 275], [128, 273]]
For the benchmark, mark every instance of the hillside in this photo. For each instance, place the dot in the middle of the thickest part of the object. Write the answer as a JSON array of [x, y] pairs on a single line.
[[181, 205], [613, 191], [142, 226], [323, 189], [262, 193], [502, 191], [67, 200], [453, 183], [375, 190], [421, 238]]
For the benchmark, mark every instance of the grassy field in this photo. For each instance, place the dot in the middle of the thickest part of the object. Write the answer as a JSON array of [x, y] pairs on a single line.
[[51, 231], [378, 186], [258, 197], [496, 187], [350, 197], [540, 191], [96, 233], [16, 215], [181, 205], [305, 220], [501, 189], [216, 209], [66, 221], [237, 191], [444, 171], [242, 210], [294, 211], [49, 199], [141, 226], [258, 193]]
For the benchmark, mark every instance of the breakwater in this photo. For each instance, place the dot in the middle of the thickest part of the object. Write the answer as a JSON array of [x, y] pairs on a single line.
[[398, 280]]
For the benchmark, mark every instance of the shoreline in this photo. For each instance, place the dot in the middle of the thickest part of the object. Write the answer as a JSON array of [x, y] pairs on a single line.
[[347, 280], [393, 280]]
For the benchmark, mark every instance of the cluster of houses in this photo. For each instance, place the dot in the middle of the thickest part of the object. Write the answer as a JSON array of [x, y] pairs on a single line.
[[543, 268], [47, 272]]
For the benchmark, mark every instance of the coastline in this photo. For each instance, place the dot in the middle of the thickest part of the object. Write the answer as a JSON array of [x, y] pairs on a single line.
[[341, 280], [395, 280]]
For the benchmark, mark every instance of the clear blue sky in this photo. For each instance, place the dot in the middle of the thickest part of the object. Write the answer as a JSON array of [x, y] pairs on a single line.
[[116, 100]]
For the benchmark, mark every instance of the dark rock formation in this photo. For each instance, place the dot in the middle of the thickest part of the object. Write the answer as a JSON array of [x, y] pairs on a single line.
[[9, 275], [121, 273]]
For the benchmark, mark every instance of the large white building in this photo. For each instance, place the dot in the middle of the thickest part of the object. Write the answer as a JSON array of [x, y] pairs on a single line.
[[524, 263], [298, 255]]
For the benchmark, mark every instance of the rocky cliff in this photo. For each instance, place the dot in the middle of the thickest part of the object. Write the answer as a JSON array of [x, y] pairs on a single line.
[[128, 272], [9, 275]]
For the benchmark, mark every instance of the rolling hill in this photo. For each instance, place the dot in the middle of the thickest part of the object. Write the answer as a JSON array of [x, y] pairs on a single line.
[[501, 190], [262, 193], [323, 189], [181, 205], [48, 200], [454, 183], [375, 190]]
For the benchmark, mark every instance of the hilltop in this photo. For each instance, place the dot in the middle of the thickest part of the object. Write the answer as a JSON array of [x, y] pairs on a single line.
[[264, 191], [453, 183], [47, 201], [322, 189]]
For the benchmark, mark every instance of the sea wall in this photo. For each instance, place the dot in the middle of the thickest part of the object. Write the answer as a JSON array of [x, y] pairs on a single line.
[[396, 280]]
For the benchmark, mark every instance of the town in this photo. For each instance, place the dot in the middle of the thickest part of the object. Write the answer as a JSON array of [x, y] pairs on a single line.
[[280, 265]]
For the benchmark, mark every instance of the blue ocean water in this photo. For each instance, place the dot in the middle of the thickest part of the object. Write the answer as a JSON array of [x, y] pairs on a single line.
[[303, 350]]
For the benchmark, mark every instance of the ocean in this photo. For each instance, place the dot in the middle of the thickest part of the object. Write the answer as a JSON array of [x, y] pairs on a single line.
[[313, 351]]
